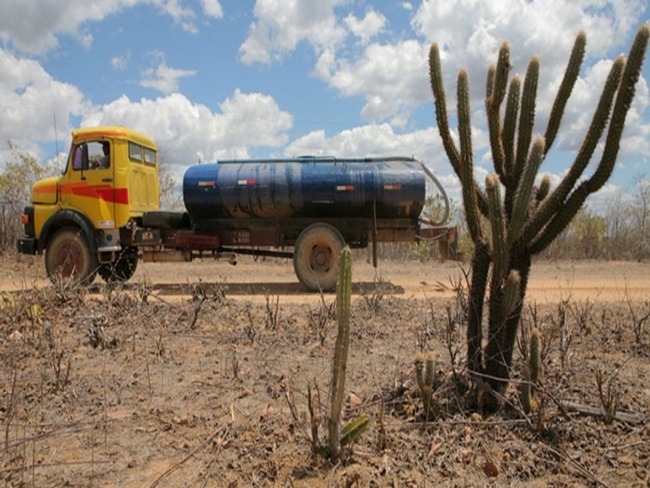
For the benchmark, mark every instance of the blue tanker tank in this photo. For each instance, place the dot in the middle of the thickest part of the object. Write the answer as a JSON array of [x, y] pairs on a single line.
[[308, 187]]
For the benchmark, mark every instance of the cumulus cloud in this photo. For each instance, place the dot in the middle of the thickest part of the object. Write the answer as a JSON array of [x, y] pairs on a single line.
[[279, 26], [33, 25], [368, 27], [191, 131], [372, 140], [30, 98], [162, 77], [392, 78]]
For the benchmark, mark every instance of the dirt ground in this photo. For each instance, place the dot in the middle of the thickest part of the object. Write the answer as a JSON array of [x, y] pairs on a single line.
[[197, 374]]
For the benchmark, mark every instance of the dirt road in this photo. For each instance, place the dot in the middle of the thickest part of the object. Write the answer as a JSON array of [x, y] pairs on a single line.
[[610, 282]]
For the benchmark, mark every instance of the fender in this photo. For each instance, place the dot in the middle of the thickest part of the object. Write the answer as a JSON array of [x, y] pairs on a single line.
[[68, 218]]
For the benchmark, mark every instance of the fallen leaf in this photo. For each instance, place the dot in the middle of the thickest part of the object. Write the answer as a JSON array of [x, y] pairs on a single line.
[[355, 400], [490, 469], [435, 448]]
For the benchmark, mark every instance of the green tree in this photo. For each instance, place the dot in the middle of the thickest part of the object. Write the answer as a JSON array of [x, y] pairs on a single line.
[[527, 218], [16, 181], [641, 216], [170, 197]]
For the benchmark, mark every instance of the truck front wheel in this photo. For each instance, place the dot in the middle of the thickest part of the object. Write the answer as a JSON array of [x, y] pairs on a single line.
[[122, 269], [68, 258], [316, 256]]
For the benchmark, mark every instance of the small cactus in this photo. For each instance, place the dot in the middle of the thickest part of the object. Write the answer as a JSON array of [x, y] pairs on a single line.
[[425, 376], [354, 429], [532, 372], [339, 365]]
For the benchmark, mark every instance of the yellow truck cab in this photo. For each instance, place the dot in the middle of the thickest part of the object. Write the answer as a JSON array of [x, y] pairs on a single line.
[[83, 219]]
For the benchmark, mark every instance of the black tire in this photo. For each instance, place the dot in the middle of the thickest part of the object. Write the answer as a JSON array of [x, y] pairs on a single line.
[[122, 269], [316, 257], [69, 258]]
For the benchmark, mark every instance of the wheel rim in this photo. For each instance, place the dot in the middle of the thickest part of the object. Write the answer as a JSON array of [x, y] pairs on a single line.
[[320, 259], [69, 259]]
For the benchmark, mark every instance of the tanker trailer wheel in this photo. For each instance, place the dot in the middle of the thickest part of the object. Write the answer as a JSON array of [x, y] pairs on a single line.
[[69, 259], [122, 269], [316, 257]]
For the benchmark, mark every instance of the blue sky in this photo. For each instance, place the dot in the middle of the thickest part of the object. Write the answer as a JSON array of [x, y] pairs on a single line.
[[211, 79]]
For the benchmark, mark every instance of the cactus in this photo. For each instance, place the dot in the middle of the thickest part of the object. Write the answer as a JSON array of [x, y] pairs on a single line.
[[354, 429], [532, 372], [425, 376], [526, 219], [339, 365]]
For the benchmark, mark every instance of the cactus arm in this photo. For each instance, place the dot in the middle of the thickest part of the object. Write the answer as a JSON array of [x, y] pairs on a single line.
[[523, 193], [511, 292], [438, 89], [489, 85], [621, 107], [497, 223], [467, 157], [509, 128], [339, 365], [557, 199], [566, 87], [495, 95], [612, 143], [527, 115], [544, 188]]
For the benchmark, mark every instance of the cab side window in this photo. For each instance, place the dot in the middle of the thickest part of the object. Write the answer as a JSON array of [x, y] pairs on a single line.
[[91, 155], [77, 158], [99, 155]]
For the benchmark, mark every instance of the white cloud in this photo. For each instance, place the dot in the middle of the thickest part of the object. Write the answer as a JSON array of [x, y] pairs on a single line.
[[281, 25], [33, 25], [470, 33], [391, 77], [190, 131], [372, 140], [120, 63], [212, 8], [30, 99], [162, 77], [368, 27]]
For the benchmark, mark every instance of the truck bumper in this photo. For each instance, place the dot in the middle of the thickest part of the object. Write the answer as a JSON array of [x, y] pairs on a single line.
[[26, 245]]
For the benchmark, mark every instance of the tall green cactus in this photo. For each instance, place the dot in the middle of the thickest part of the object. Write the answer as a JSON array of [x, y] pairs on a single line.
[[526, 219], [339, 364]]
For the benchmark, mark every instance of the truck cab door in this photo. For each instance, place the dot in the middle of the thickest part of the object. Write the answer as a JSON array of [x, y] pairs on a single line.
[[87, 185]]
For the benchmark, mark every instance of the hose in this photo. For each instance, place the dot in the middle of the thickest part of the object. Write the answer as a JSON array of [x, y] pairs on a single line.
[[433, 178]]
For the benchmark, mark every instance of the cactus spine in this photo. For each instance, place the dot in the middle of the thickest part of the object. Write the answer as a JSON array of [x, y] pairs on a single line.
[[339, 364], [525, 220]]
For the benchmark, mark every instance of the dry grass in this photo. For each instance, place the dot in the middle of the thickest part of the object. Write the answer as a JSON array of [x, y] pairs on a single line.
[[127, 387]]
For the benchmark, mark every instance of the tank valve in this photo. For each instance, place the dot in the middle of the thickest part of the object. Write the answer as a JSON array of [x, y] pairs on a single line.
[[232, 259]]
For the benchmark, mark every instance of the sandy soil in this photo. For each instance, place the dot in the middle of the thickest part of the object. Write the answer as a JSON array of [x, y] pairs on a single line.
[[197, 374], [550, 282]]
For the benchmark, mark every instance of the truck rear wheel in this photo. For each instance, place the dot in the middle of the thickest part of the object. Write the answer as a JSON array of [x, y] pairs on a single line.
[[122, 269], [69, 259], [316, 256]]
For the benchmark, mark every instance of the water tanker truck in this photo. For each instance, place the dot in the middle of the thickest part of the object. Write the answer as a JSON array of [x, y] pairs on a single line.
[[102, 215]]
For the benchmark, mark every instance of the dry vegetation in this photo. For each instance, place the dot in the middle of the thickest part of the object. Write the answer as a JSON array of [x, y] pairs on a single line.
[[133, 386]]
